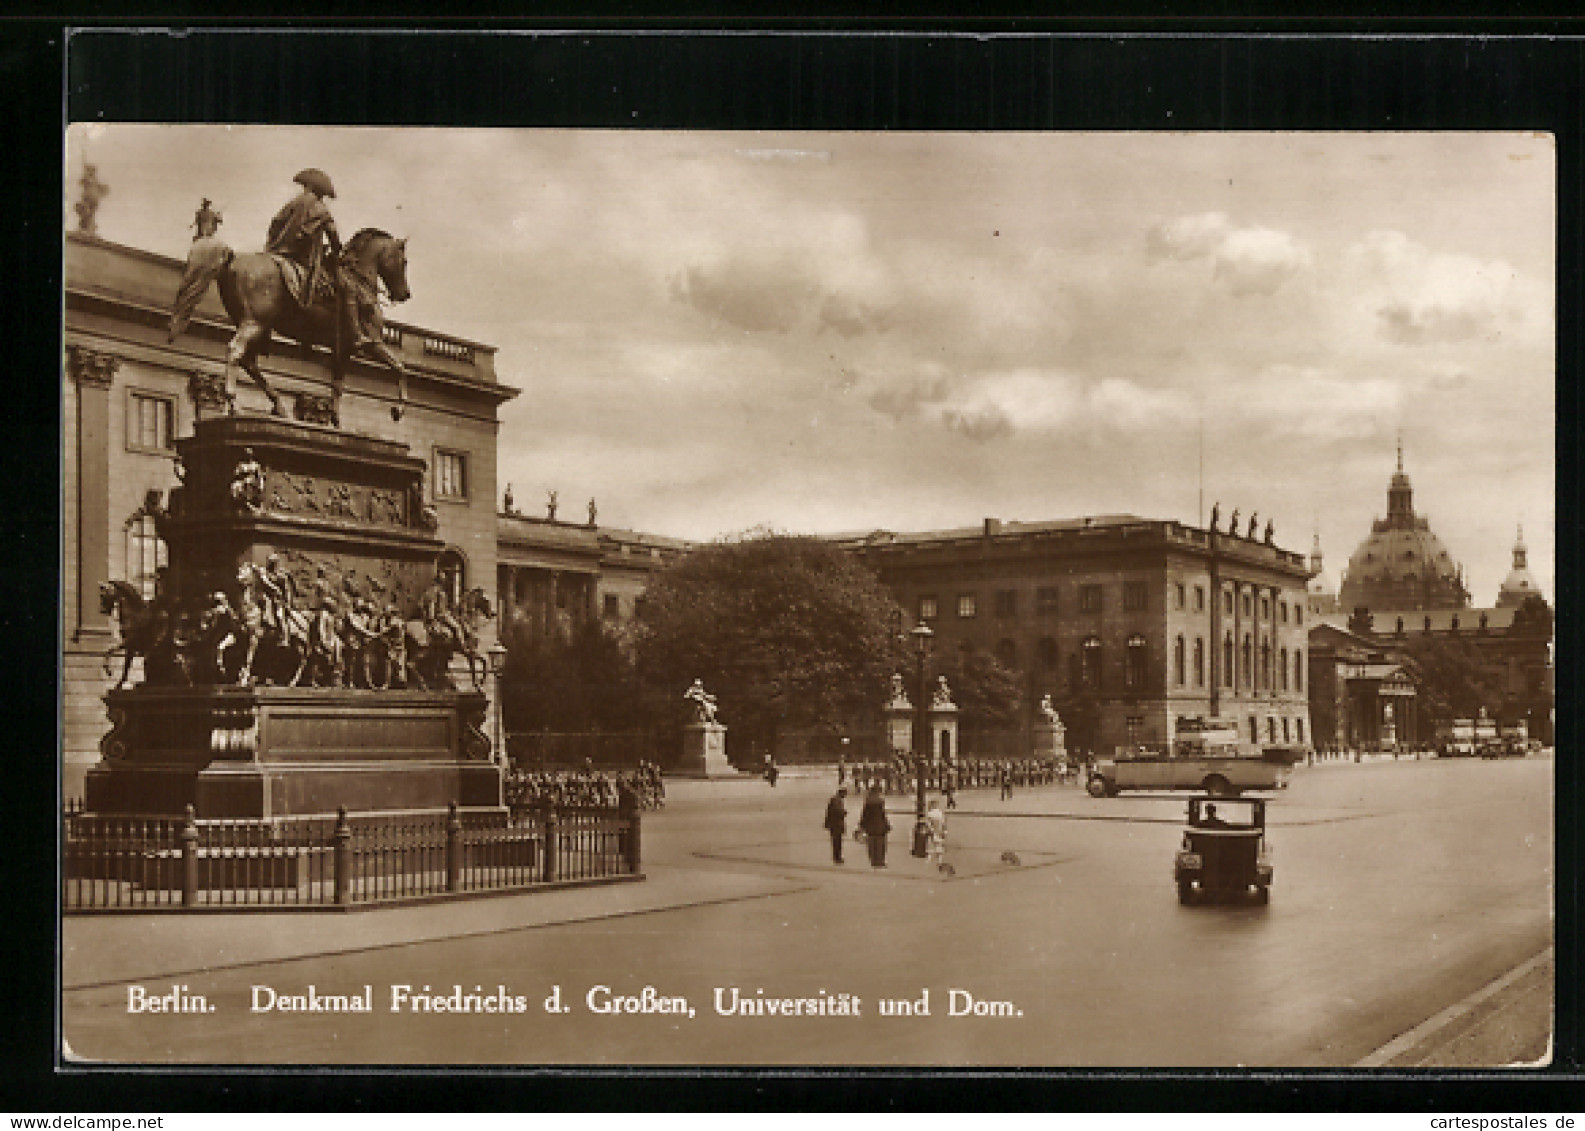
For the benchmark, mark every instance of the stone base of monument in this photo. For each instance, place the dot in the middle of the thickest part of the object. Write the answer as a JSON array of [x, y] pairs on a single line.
[[266, 752], [704, 752]]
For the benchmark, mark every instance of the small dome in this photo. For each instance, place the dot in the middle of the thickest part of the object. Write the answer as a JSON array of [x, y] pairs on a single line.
[[1520, 582]]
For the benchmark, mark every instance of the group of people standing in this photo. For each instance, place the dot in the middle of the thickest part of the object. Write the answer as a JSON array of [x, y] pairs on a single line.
[[586, 787], [874, 826]]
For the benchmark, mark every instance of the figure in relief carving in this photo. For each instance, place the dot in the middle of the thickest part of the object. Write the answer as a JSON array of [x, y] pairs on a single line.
[[247, 484]]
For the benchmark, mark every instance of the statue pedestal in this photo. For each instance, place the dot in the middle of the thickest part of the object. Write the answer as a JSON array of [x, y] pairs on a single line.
[[900, 727], [1051, 740], [704, 752], [267, 752]]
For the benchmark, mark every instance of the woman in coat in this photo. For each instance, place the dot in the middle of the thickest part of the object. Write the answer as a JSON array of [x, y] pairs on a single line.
[[875, 825]]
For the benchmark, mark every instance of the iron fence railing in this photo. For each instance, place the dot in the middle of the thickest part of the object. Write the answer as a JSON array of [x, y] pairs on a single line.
[[148, 864]]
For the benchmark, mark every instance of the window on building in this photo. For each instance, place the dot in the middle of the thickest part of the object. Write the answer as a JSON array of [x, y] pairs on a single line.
[[968, 607], [1006, 602], [1199, 661], [1134, 598], [1007, 653], [1249, 606], [612, 606], [1227, 602], [151, 423], [1199, 598], [1227, 660], [1265, 663], [1179, 661], [451, 475], [1265, 608], [1046, 651], [1181, 595], [1271, 729], [1298, 614], [1283, 664], [1135, 725], [1046, 600], [927, 608], [1285, 731], [1134, 670], [1284, 607], [1249, 661], [1254, 729], [146, 555], [1399, 628], [1298, 729], [452, 573], [1089, 598], [1092, 662], [1298, 671]]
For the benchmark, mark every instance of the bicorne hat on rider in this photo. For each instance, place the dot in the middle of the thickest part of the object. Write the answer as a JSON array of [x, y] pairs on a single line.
[[317, 180]]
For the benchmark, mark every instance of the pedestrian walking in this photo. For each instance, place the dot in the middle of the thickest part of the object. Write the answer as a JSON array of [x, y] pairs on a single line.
[[837, 822], [875, 826], [936, 822], [949, 786], [1006, 780]]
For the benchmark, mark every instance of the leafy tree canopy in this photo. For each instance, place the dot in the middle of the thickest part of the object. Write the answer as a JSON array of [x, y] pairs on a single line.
[[785, 631]]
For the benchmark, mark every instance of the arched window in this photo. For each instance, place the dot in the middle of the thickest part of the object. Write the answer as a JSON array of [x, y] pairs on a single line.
[[1249, 660], [1179, 655], [1282, 666], [1046, 651], [1007, 653], [146, 553], [1227, 660], [1199, 661], [1134, 666], [1092, 661], [452, 571]]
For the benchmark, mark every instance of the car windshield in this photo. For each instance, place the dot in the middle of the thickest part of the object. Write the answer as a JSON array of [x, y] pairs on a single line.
[[1225, 813]]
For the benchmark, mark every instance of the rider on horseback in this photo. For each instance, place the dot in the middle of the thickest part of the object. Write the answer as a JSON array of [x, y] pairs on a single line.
[[279, 592], [435, 608], [303, 227]]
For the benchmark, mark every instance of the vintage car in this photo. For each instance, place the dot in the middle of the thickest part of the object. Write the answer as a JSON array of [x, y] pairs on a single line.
[[1224, 771], [1224, 851]]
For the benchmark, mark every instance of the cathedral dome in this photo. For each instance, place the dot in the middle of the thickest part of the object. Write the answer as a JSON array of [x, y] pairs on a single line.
[[1402, 564], [1520, 582]]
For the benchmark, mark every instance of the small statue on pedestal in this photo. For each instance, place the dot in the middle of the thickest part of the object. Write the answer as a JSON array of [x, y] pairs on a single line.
[[703, 702], [943, 693]]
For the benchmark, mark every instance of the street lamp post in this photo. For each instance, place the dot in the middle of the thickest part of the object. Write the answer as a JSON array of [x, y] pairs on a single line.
[[497, 658], [922, 639]]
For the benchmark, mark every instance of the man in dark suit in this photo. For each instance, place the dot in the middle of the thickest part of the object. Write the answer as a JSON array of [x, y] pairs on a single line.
[[875, 825], [837, 823]]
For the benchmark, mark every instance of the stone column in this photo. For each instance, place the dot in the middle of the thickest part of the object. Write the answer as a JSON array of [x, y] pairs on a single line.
[[94, 373]]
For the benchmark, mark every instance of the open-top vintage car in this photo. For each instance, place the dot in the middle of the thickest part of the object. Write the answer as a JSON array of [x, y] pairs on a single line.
[[1224, 851]]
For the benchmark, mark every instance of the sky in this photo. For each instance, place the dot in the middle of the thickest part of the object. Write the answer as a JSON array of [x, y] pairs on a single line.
[[831, 332]]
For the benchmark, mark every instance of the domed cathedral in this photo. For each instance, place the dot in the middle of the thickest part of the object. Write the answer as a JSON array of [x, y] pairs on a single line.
[[1520, 582], [1402, 565]]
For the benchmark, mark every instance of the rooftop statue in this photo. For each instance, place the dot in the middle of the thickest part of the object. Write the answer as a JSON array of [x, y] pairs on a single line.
[[293, 288], [1253, 517], [87, 206], [1232, 526]]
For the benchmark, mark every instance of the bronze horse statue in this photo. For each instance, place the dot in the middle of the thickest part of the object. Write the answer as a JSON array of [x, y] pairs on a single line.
[[253, 287], [429, 647], [147, 630]]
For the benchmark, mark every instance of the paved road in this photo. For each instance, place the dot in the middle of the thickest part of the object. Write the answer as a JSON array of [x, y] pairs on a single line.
[[1401, 889]]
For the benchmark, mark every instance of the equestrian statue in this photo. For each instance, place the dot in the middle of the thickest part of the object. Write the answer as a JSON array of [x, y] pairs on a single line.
[[294, 288]]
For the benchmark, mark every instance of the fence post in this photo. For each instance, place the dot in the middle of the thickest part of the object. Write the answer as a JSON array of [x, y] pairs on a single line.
[[341, 857], [552, 837], [453, 849], [189, 837], [631, 811]]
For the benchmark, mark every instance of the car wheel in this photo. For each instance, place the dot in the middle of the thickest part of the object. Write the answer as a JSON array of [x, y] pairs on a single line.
[[1097, 786], [1217, 786], [1185, 892]]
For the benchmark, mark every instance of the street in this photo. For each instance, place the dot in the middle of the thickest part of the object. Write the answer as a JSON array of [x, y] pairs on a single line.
[[1400, 889]]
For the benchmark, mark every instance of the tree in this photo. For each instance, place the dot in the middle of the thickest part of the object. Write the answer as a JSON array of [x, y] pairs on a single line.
[[987, 694], [1452, 680], [1533, 617], [786, 632], [582, 680]]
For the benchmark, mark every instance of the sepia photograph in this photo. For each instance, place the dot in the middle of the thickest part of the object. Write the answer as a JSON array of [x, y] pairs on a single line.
[[949, 599]]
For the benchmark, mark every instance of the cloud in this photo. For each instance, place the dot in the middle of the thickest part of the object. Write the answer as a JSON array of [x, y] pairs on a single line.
[[755, 297], [1188, 237], [1249, 261], [1424, 297], [990, 405], [1259, 260]]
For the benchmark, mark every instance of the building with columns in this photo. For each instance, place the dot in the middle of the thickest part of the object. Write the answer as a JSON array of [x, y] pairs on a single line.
[[1135, 623], [129, 392]]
